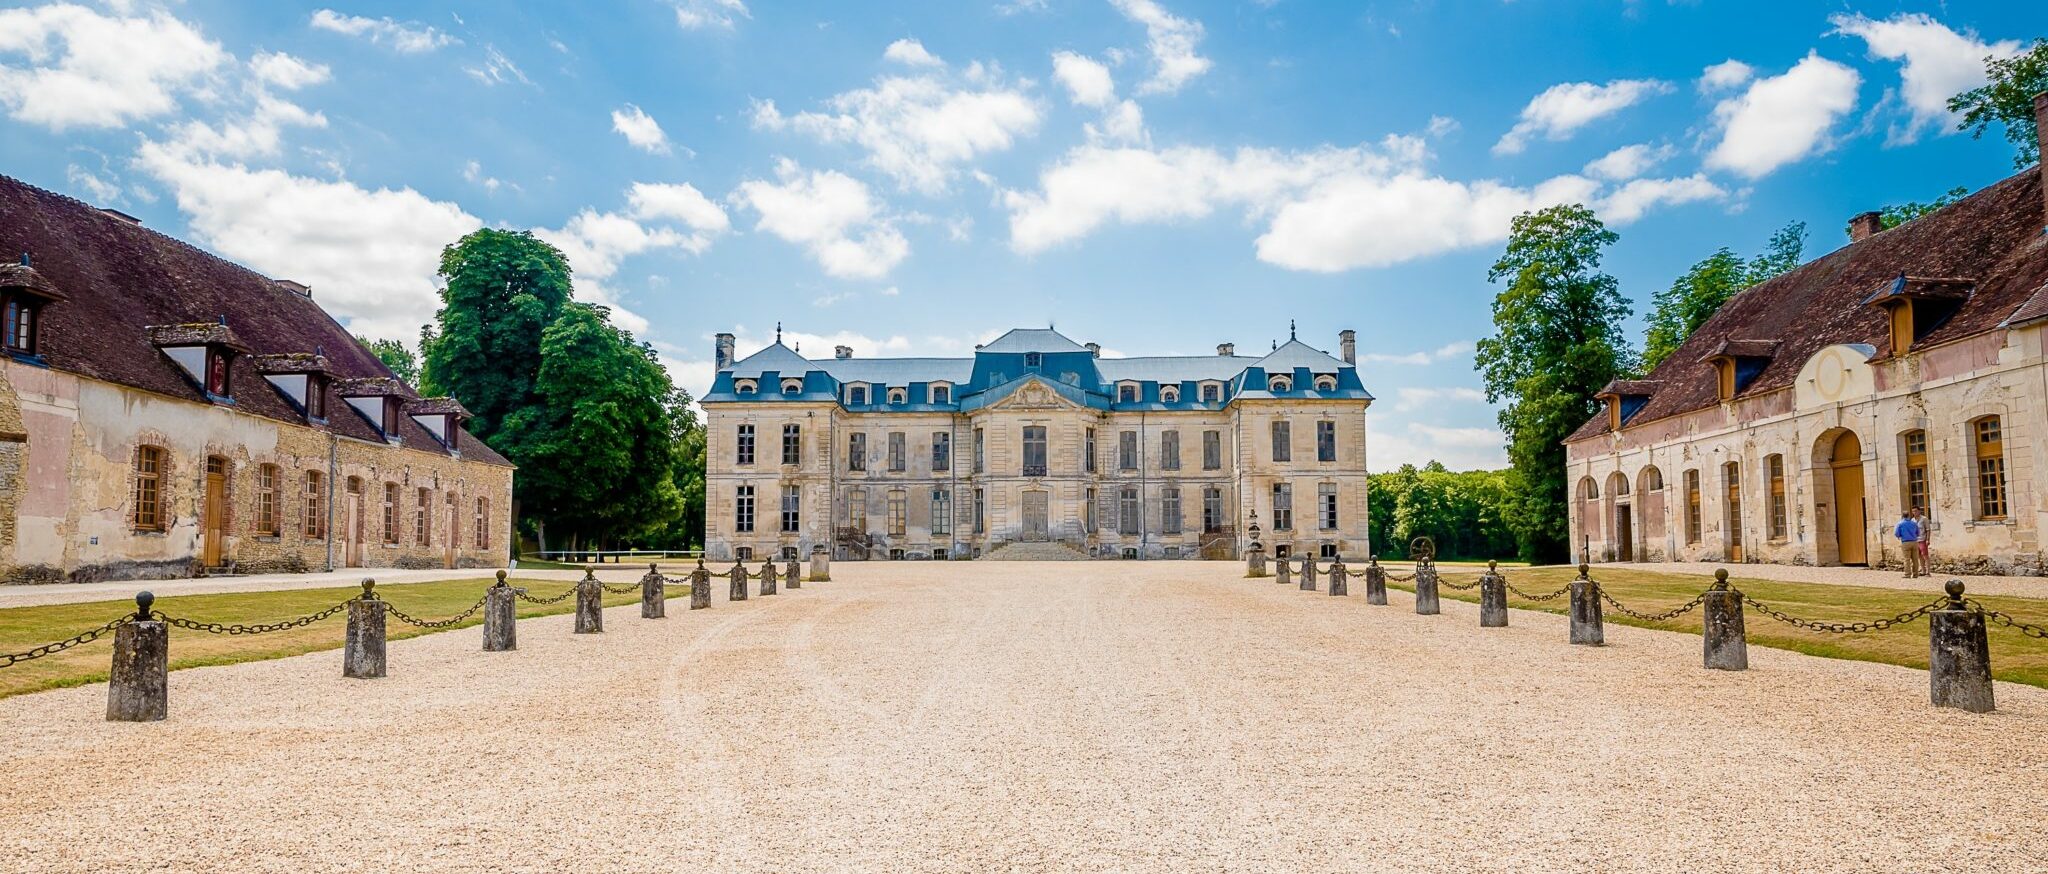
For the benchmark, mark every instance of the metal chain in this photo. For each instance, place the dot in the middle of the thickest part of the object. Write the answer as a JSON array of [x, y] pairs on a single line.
[[1665, 616], [625, 589], [1400, 579], [410, 619], [83, 637], [2034, 631], [521, 595], [260, 628], [1846, 627], [1528, 597], [1455, 587]]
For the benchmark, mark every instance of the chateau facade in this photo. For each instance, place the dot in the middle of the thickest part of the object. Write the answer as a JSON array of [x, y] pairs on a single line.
[[1907, 369], [164, 412], [1035, 438]]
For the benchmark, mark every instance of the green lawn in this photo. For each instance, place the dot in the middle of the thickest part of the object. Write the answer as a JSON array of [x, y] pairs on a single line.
[[22, 628], [2014, 656]]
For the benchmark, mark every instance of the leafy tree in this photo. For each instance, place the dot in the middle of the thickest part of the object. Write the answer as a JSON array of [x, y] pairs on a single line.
[[504, 288], [1681, 309], [1558, 341], [687, 529], [1900, 213], [396, 356], [2008, 100], [1461, 511]]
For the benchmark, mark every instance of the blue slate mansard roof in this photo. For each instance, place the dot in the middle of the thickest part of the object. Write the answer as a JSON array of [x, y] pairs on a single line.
[[1022, 355]]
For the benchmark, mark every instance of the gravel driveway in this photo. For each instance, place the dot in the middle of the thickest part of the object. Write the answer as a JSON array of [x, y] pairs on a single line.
[[1099, 716]]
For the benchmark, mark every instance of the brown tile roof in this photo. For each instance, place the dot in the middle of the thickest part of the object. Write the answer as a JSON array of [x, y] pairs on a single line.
[[374, 387], [2035, 308], [1923, 288], [435, 407], [1743, 349], [194, 334], [1632, 387], [1993, 237], [24, 276], [122, 278], [291, 362]]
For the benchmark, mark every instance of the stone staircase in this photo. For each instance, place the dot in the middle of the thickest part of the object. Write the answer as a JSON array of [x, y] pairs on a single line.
[[1047, 551]]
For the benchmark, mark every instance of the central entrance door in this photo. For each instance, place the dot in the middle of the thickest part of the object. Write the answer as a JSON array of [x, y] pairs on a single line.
[[1850, 518], [1036, 527], [1624, 534], [216, 511]]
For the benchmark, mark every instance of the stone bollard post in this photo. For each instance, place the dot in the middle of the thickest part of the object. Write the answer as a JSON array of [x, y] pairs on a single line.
[[790, 577], [1587, 629], [1283, 571], [768, 577], [1255, 561], [1308, 573], [700, 587], [1493, 597], [821, 564], [739, 582], [137, 686], [653, 594], [1724, 640], [1340, 580], [501, 617], [1375, 582], [1959, 656], [362, 655], [1426, 601], [589, 604]]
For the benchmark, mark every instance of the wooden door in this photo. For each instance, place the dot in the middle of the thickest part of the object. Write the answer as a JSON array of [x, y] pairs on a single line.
[[215, 513], [1624, 534], [1851, 518], [1036, 526], [352, 524], [454, 531]]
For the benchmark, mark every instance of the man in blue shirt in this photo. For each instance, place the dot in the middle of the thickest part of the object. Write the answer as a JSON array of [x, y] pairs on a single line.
[[1908, 532]]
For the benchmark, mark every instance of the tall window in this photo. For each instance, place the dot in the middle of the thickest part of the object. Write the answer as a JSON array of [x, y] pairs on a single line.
[[942, 451], [1212, 510], [1283, 439], [980, 451], [792, 444], [1990, 449], [1692, 506], [1034, 450], [390, 514], [1283, 507], [1915, 444], [1211, 393], [857, 510], [942, 512], [743, 509], [856, 451], [217, 373], [267, 523], [1212, 450], [423, 518], [1326, 441], [1326, 506], [483, 523], [149, 488], [1127, 511], [1127, 450], [1127, 394], [899, 512], [19, 333], [1776, 505], [1731, 476], [316, 505], [1088, 450], [857, 396], [942, 394], [980, 511], [744, 447], [899, 452], [1169, 450], [1088, 511], [792, 508], [1169, 510]]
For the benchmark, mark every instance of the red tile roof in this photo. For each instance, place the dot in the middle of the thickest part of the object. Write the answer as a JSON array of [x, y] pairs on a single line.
[[1992, 239], [121, 278]]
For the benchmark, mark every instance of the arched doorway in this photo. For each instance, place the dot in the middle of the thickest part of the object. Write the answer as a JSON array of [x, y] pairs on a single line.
[[1624, 517], [1851, 512]]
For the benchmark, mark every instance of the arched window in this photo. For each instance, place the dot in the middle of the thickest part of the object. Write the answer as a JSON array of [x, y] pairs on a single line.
[[744, 386], [1588, 489], [149, 485], [899, 396], [792, 386], [1988, 439], [1326, 383], [1169, 394], [1913, 452], [1780, 527], [1653, 480], [1279, 383]]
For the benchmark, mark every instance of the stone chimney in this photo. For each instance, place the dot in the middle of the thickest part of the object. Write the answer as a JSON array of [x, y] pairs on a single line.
[[722, 354], [1226, 349], [1347, 340], [2041, 138], [842, 351], [1094, 349], [1865, 225]]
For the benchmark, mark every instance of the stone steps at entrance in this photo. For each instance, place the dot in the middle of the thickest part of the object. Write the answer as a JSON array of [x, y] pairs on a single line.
[[1044, 551]]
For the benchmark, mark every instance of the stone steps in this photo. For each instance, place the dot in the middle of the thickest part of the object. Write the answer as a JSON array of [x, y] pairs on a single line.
[[1047, 551]]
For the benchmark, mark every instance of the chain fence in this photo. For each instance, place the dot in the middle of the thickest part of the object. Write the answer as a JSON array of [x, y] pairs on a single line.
[[1665, 616], [260, 628], [449, 622], [83, 637], [1845, 627], [1517, 590], [2034, 631]]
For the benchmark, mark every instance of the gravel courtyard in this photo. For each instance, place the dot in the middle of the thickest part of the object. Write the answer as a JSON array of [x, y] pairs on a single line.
[[1033, 717]]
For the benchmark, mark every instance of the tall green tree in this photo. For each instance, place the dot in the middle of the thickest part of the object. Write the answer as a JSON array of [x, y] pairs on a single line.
[[1462, 512], [503, 289], [1900, 213], [2008, 100], [1697, 294], [396, 356], [1558, 341]]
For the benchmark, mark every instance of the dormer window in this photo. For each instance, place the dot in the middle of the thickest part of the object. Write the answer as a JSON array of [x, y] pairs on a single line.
[[792, 386], [1279, 383], [1915, 306], [205, 351], [1169, 394], [23, 294], [941, 393], [1626, 397], [1212, 393], [21, 324], [441, 417], [856, 395], [1033, 360], [380, 400], [1737, 363], [745, 387], [1127, 393], [899, 396], [1326, 382], [301, 377]]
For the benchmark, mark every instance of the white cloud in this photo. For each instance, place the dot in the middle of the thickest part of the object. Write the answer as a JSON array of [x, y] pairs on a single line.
[[497, 69], [287, 72], [474, 172], [1441, 126], [598, 243], [1122, 123], [257, 133], [679, 201], [1725, 75], [832, 215], [699, 14], [919, 129], [1939, 63], [102, 191], [911, 53], [1562, 109], [1171, 40], [1441, 353], [1458, 448], [1087, 80], [640, 129], [1781, 119], [1414, 398], [410, 37], [1628, 162], [86, 69], [1633, 200]]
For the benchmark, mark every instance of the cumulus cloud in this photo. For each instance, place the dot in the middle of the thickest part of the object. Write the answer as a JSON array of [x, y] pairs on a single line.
[[1172, 42], [658, 216], [1725, 75], [280, 70], [1782, 119], [911, 53], [919, 129], [1628, 162], [1562, 109], [640, 129], [65, 66], [1938, 63], [410, 37], [831, 215], [1087, 80], [700, 14], [1441, 353], [1635, 199]]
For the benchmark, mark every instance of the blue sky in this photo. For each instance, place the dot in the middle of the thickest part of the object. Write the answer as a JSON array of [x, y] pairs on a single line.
[[1158, 176]]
